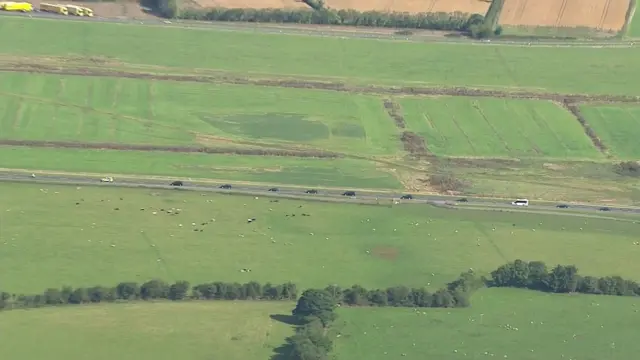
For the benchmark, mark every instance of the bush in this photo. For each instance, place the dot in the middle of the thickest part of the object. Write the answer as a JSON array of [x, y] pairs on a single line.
[[628, 168]]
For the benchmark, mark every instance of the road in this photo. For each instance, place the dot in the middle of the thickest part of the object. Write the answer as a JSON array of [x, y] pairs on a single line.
[[284, 191]]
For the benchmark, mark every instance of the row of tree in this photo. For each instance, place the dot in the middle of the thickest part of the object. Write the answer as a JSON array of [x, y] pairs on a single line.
[[151, 290], [431, 21], [315, 312], [535, 275]]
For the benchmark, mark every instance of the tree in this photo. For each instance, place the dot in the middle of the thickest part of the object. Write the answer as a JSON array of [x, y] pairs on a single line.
[[154, 289], [79, 296], [378, 297], [179, 290], [562, 279], [128, 291], [315, 304], [537, 274], [53, 297], [302, 348]]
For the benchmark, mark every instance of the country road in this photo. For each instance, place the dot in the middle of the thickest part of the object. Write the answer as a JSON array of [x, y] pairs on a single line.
[[334, 31], [298, 192]]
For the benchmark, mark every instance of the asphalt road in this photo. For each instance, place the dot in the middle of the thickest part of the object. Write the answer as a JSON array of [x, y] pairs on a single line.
[[283, 191]]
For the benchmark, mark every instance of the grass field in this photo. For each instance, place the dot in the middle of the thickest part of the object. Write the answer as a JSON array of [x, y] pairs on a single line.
[[336, 244], [602, 70], [485, 127], [500, 324], [617, 126], [266, 169], [93, 109], [204, 331]]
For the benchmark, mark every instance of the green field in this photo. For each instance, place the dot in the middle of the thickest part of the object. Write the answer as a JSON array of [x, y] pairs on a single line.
[[336, 244], [120, 110], [604, 328], [618, 126], [265, 169], [484, 127], [164, 331], [602, 70]]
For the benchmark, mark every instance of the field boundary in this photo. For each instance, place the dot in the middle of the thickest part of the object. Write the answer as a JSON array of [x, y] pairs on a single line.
[[628, 18]]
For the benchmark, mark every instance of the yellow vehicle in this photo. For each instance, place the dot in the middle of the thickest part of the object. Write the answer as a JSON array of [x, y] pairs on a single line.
[[74, 10], [87, 12], [56, 9], [17, 6]]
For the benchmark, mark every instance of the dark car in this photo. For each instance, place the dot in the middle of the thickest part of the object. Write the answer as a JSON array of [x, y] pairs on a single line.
[[406, 197], [605, 209], [177, 183], [225, 186], [562, 206], [274, 189], [349, 193], [462, 200], [312, 191]]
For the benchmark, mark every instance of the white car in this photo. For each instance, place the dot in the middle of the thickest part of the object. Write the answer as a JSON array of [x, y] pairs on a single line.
[[520, 202], [107, 179]]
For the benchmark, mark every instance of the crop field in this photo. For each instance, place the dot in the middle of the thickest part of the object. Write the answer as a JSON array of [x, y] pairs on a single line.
[[412, 6], [601, 71], [102, 235], [500, 324], [253, 4], [599, 14], [211, 330], [129, 111], [617, 126], [484, 127]]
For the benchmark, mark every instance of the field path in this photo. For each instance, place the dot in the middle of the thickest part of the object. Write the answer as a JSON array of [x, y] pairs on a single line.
[[561, 13], [603, 18]]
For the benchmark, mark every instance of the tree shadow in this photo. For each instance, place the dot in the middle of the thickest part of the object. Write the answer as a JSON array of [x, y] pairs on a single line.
[[282, 352], [285, 319]]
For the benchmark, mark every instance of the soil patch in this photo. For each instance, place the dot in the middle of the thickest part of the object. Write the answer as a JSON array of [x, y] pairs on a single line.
[[414, 144], [252, 4], [395, 112], [386, 253], [412, 6], [319, 85], [176, 149], [597, 14]]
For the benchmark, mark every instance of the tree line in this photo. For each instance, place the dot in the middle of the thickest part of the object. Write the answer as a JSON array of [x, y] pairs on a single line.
[[151, 290], [535, 275]]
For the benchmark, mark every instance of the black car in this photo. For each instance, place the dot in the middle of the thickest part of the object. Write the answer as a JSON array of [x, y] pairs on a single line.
[[406, 197], [562, 206], [177, 183], [462, 200], [225, 186], [312, 191], [274, 189], [605, 209], [349, 193]]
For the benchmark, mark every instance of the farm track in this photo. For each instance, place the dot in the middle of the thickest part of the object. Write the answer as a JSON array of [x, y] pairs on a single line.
[[293, 83]]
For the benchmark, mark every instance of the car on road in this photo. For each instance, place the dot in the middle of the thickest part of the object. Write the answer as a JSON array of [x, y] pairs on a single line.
[[604, 208], [177, 183], [562, 206], [520, 202], [33, 176], [462, 200], [349, 193], [107, 179], [406, 197], [225, 186], [311, 191], [274, 189]]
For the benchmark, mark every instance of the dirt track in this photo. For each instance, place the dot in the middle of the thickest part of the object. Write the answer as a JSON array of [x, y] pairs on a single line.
[[322, 85]]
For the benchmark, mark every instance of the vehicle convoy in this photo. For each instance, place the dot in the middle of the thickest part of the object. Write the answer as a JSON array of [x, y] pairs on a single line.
[[74, 10], [54, 8], [16, 6], [107, 179]]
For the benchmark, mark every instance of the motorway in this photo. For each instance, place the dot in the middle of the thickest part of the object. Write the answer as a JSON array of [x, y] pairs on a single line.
[[297, 192]]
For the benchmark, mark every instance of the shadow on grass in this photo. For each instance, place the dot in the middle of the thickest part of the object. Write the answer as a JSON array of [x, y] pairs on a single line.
[[285, 319], [283, 352]]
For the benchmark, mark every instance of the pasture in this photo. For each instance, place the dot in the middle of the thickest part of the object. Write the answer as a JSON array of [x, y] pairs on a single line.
[[618, 127], [102, 235], [500, 324], [429, 6], [593, 70], [129, 111], [598, 14], [485, 127], [163, 330]]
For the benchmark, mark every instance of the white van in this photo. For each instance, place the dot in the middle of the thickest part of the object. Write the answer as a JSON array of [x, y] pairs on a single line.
[[520, 202]]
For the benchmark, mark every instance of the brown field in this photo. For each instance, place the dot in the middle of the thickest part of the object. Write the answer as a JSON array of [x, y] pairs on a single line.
[[253, 4], [412, 6], [598, 14], [121, 9]]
